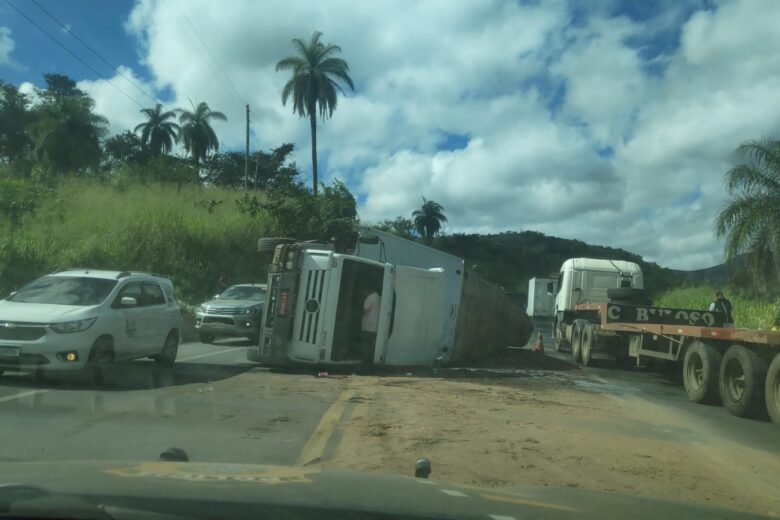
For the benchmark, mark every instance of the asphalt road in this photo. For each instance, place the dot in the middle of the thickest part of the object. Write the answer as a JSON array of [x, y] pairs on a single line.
[[661, 387], [212, 403]]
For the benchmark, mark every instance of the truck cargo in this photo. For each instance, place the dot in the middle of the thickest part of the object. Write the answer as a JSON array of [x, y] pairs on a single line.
[[432, 310], [602, 312], [540, 302]]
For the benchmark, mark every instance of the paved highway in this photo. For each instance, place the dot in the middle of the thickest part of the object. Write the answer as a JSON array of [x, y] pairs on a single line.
[[212, 403]]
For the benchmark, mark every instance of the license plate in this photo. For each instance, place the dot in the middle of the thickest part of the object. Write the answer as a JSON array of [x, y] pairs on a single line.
[[9, 351]]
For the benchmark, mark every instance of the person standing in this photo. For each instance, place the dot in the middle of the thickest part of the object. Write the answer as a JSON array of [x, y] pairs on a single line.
[[721, 304], [370, 323]]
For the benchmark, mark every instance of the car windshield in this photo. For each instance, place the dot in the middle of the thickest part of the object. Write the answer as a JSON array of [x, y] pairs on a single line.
[[243, 292], [65, 290]]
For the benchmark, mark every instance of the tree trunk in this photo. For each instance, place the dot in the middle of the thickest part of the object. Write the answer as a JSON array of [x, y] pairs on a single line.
[[313, 122]]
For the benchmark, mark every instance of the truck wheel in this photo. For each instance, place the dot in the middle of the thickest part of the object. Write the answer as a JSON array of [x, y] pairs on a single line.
[[742, 379], [772, 390], [700, 372], [576, 342], [586, 345]]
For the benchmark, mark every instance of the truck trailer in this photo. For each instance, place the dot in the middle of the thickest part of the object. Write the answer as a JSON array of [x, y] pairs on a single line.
[[541, 303], [602, 312], [432, 310]]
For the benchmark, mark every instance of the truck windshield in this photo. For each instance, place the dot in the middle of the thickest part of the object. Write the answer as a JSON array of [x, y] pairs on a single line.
[[358, 281]]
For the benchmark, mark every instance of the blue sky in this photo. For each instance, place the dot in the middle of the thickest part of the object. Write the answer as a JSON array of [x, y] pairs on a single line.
[[607, 121]]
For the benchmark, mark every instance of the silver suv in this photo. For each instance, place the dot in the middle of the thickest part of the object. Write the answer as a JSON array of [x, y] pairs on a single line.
[[83, 318], [233, 313]]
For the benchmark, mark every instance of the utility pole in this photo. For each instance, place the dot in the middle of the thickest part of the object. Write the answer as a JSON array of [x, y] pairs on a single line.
[[246, 154]]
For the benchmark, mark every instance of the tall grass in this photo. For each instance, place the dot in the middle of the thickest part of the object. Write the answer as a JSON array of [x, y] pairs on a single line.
[[748, 313], [156, 227]]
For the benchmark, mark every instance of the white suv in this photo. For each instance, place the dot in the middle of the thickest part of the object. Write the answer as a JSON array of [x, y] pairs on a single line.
[[81, 319]]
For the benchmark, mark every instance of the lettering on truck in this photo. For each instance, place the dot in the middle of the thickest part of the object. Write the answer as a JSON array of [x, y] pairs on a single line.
[[663, 316]]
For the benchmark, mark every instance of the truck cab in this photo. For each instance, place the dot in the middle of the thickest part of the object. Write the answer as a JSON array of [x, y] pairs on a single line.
[[314, 309], [587, 280]]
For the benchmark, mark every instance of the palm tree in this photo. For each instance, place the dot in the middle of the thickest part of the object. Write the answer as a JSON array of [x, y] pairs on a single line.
[[158, 133], [750, 221], [428, 219], [196, 132], [315, 84]]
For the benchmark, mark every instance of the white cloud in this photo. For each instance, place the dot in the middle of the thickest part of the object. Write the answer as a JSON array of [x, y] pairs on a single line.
[[489, 71], [7, 46]]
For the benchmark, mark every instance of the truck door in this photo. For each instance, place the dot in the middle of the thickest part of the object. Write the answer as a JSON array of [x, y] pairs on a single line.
[[310, 308]]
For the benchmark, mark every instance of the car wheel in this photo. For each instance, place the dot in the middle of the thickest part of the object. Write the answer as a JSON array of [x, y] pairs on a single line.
[[169, 351], [205, 337], [100, 356]]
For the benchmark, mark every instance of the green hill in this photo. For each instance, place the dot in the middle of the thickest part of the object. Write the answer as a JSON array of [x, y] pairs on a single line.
[[512, 258]]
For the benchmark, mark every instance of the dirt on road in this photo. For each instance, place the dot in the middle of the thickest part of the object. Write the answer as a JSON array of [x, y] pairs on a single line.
[[549, 429]]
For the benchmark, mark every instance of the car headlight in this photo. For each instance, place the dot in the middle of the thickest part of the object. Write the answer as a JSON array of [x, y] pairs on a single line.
[[67, 327], [250, 310]]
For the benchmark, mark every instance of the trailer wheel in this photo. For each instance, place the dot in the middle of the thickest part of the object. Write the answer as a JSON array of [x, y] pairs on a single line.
[[772, 390], [700, 372], [742, 379], [586, 345], [576, 342]]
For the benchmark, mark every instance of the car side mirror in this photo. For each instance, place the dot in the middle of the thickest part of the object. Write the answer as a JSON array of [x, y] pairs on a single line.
[[216, 296], [128, 301]]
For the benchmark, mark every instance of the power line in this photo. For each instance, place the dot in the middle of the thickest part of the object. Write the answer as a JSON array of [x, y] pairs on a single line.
[[210, 53], [87, 65], [93, 51]]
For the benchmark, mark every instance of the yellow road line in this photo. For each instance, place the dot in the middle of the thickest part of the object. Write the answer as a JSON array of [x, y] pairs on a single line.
[[315, 447], [527, 502]]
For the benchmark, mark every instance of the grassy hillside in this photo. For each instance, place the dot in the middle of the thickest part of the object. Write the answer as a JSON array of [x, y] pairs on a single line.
[[512, 258], [158, 228]]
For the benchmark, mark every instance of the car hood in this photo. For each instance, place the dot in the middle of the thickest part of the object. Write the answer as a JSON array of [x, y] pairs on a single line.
[[43, 313], [199, 490], [232, 304]]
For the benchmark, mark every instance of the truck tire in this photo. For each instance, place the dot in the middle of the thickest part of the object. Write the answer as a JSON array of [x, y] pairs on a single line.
[[742, 380], [268, 245], [586, 344], [772, 390], [576, 341], [700, 372], [628, 296]]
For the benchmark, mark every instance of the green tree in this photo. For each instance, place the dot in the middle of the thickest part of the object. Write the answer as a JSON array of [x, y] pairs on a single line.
[[314, 85], [158, 132], [196, 132], [266, 170], [401, 226], [124, 147], [428, 219], [14, 116], [750, 222], [65, 131]]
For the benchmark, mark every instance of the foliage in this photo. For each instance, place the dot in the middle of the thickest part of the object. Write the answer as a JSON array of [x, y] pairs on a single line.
[[752, 313], [750, 222], [196, 132], [154, 227], [14, 117], [17, 198], [510, 259], [162, 168], [317, 78], [158, 132], [124, 147], [401, 226], [428, 219]]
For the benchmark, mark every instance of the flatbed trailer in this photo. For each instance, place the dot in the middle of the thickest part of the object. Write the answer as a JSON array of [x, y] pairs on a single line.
[[740, 367]]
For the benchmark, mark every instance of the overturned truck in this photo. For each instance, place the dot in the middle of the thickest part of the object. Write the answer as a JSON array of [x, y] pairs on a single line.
[[431, 311]]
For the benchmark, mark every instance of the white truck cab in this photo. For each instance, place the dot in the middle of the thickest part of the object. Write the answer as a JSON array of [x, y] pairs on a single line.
[[586, 280]]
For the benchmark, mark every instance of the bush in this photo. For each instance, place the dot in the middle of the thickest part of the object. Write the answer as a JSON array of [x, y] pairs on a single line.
[[748, 312]]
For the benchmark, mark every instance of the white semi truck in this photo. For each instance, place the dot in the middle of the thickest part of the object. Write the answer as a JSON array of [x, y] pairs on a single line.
[[431, 309], [602, 312]]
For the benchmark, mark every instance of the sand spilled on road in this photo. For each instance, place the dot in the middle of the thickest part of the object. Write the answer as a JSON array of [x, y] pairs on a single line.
[[543, 431]]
